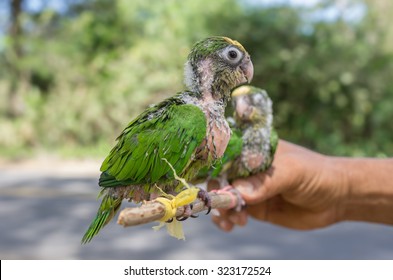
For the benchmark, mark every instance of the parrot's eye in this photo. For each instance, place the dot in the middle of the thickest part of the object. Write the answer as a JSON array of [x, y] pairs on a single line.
[[232, 54]]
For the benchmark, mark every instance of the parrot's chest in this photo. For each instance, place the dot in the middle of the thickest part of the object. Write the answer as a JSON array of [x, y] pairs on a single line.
[[256, 147], [218, 134]]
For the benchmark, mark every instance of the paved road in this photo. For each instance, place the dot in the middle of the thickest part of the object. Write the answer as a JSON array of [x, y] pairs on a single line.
[[46, 205]]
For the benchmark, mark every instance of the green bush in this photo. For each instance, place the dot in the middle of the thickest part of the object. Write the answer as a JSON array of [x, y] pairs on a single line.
[[84, 74]]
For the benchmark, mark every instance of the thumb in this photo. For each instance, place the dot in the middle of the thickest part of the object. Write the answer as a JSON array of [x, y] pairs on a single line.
[[251, 189]]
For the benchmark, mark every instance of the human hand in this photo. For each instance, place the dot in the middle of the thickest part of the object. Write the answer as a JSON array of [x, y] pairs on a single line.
[[302, 190]]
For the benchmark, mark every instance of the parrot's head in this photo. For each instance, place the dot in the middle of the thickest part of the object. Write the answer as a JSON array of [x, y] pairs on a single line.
[[252, 106], [217, 65]]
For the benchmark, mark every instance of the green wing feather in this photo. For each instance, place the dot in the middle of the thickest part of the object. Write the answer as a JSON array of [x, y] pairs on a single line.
[[273, 146], [173, 134]]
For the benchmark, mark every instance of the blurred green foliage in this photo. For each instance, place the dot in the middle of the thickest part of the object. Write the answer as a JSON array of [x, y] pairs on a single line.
[[85, 73]]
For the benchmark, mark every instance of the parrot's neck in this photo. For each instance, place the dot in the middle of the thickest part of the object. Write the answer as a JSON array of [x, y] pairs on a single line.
[[206, 83], [218, 132]]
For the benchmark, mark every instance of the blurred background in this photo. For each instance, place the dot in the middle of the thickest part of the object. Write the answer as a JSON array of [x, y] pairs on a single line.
[[75, 72]]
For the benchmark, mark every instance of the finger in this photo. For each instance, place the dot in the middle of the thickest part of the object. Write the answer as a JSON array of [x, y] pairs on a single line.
[[213, 184], [238, 218], [222, 221], [256, 188], [227, 219], [223, 224], [276, 180], [250, 188]]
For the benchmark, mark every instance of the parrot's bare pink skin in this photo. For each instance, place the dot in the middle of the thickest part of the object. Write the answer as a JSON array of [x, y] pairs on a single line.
[[218, 132], [254, 160]]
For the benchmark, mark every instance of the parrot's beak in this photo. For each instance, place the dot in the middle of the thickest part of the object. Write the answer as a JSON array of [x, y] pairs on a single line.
[[243, 109], [247, 68]]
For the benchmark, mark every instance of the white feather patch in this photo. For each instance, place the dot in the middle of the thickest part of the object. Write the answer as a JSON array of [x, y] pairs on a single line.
[[202, 80], [189, 77]]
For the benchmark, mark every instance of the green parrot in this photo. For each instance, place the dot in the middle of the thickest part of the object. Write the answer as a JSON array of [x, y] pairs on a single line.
[[187, 131], [254, 140]]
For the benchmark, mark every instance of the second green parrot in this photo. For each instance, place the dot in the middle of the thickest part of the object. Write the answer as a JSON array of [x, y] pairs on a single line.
[[254, 140]]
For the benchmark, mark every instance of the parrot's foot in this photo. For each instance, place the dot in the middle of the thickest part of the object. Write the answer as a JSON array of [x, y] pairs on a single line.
[[187, 213], [205, 197], [202, 195]]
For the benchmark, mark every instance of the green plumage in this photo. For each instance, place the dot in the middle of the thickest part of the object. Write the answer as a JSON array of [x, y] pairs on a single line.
[[173, 134], [107, 210], [179, 129]]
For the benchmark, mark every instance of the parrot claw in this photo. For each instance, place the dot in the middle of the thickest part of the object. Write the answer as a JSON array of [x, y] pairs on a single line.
[[205, 197], [187, 213], [202, 195]]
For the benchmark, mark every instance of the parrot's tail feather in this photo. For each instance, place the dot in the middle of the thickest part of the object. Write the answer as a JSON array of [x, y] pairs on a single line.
[[108, 209], [108, 181]]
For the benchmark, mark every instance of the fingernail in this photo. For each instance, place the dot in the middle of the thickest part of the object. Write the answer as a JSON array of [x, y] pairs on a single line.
[[223, 225], [234, 219]]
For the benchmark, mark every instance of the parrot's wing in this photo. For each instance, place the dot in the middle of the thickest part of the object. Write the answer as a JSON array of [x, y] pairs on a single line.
[[273, 141], [173, 132], [273, 146]]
